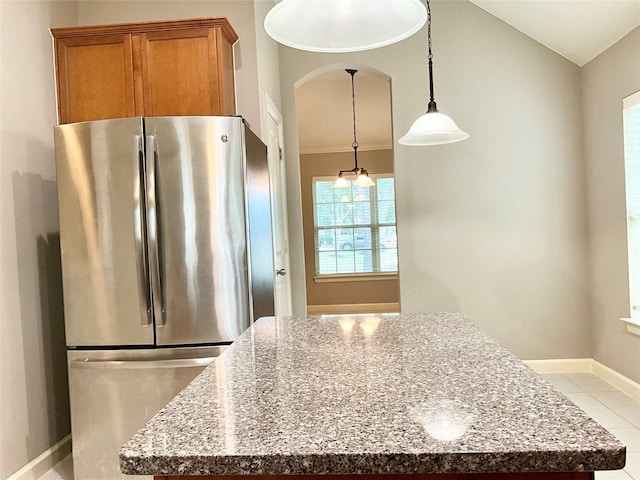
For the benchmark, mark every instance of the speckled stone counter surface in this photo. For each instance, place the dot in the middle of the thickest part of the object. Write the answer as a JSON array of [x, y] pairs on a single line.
[[410, 393]]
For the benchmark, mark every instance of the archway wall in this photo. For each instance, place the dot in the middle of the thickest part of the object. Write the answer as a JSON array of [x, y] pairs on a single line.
[[325, 132], [494, 227]]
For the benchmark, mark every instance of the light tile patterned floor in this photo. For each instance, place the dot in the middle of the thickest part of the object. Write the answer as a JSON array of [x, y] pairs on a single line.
[[615, 410]]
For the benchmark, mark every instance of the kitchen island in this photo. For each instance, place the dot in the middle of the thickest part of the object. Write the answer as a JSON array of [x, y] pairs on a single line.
[[373, 395]]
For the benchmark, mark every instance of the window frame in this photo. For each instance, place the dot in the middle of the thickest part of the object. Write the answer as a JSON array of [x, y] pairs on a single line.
[[374, 226], [632, 211]]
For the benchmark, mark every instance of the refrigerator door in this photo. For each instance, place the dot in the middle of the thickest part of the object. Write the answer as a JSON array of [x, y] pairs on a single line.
[[197, 229], [258, 199], [100, 194], [113, 393]]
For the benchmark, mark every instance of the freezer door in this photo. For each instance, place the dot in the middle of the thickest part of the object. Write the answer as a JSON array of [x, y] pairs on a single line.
[[100, 195], [197, 229], [113, 393]]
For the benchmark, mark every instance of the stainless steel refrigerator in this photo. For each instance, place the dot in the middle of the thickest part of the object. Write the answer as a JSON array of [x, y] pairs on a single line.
[[165, 232]]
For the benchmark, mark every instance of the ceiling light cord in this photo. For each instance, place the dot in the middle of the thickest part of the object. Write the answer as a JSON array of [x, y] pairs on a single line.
[[354, 145], [363, 179]]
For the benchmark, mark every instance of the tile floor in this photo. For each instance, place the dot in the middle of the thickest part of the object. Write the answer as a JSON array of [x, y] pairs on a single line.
[[615, 410]]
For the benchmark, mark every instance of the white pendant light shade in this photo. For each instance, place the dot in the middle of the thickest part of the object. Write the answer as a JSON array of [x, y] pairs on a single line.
[[364, 180], [341, 182], [433, 128], [336, 26]]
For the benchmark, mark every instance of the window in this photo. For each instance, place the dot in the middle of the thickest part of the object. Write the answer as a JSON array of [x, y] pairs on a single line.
[[631, 118], [355, 227]]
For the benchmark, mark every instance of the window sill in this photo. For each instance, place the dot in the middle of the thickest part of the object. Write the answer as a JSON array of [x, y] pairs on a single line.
[[355, 277], [633, 326]]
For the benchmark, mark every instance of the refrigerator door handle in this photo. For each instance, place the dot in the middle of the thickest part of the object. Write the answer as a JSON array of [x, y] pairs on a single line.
[[138, 222], [153, 216], [142, 364]]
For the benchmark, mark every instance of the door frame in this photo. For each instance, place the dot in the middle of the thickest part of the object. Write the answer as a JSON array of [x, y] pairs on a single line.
[[277, 175]]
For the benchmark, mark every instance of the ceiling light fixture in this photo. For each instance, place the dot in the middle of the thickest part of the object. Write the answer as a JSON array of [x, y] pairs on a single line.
[[338, 26], [363, 179], [432, 128]]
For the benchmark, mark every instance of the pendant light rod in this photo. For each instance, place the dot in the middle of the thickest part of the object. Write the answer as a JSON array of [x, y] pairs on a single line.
[[432, 128], [432, 103], [362, 174], [355, 145]]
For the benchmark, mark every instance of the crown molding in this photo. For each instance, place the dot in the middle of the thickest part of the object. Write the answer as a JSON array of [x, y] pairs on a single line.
[[306, 150]]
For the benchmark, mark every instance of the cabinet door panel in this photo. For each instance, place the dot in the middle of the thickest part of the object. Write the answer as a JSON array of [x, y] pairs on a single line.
[[179, 70], [95, 78]]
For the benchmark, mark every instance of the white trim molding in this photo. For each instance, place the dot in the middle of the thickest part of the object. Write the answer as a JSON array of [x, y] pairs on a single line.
[[355, 277], [353, 308], [341, 148], [616, 379], [562, 365], [633, 326], [45, 461], [587, 365]]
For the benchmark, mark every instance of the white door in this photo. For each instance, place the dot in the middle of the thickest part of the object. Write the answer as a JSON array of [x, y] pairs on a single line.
[[275, 155]]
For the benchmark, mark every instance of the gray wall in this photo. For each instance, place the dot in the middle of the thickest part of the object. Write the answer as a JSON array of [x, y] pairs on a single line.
[[267, 57], [606, 80], [494, 227], [33, 400], [34, 411]]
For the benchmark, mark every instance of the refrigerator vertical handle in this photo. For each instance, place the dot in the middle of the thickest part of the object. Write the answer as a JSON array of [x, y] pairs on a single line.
[[153, 216], [138, 222]]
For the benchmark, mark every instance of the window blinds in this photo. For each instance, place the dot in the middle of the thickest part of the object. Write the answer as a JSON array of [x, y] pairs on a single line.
[[355, 227]]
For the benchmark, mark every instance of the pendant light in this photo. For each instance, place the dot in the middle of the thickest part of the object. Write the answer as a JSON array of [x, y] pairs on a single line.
[[432, 128], [363, 179], [338, 26]]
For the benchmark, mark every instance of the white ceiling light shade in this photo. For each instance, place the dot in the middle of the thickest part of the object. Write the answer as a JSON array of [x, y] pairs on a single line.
[[432, 128], [338, 26]]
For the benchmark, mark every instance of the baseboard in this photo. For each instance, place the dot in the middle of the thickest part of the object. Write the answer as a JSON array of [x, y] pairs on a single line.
[[561, 365], [45, 461], [587, 365], [353, 308], [616, 379]]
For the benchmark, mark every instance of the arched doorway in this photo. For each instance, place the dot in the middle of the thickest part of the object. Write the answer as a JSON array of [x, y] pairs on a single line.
[[350, 240]]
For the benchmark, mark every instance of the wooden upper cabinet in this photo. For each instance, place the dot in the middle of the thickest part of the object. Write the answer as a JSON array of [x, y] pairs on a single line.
[[95, 78], [182, 67]]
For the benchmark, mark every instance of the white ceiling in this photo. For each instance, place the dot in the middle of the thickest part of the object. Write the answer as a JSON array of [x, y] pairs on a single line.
[[576, 29]]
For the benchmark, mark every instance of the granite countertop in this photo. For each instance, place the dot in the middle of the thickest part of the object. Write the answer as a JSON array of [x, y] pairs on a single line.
[[409, 393]]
